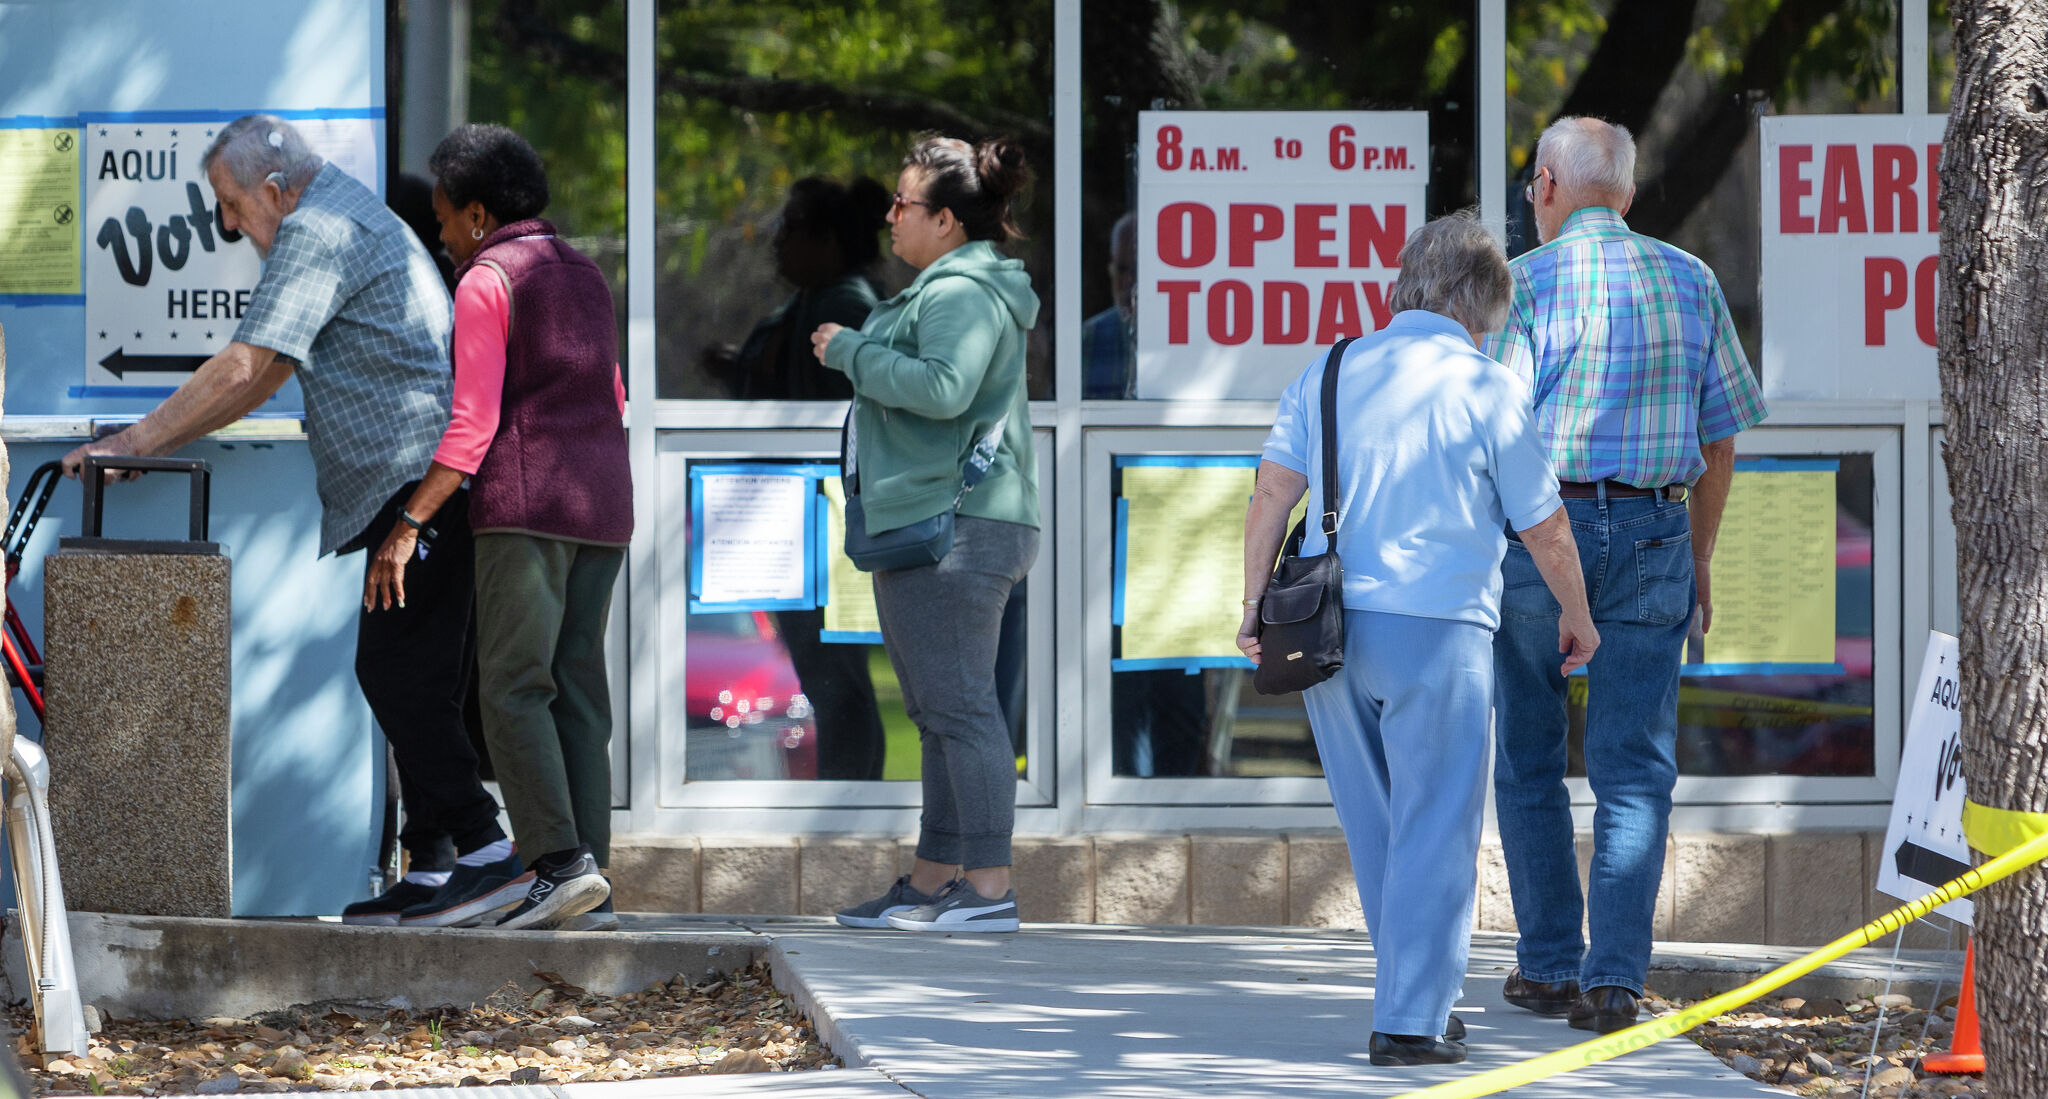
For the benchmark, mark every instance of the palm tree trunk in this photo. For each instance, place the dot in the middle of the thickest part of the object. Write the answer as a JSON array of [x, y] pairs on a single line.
[[1994, 381]]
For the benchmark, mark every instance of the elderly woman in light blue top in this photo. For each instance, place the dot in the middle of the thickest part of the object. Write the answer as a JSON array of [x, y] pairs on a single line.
[[1437, 456]]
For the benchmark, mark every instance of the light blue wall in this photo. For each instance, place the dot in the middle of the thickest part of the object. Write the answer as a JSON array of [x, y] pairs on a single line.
[[307, 762]]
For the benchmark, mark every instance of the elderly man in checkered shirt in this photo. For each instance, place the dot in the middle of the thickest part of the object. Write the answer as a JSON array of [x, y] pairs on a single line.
[[1640, 387], [350, 302]]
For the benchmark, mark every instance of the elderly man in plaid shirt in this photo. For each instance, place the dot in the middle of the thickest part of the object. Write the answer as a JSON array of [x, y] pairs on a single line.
[[1640, 387], [350, 302]]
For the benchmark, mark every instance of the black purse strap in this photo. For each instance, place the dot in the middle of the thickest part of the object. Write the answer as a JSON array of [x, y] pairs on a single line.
[[1330, 371]]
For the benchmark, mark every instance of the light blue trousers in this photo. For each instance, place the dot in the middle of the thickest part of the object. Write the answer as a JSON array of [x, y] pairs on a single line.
[[1402, 733]]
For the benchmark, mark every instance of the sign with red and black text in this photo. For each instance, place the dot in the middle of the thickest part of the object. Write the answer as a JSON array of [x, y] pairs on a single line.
[[1851, 245], [1263, 235]]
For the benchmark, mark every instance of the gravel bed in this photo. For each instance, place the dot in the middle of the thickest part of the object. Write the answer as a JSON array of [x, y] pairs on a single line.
[[560, 1034], [1823, 1048]]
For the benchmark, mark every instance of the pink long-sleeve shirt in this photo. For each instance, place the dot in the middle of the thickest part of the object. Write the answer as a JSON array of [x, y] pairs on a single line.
[[483, 322]]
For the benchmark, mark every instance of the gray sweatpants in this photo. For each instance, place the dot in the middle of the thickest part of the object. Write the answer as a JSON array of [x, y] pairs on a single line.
[[940, 624]]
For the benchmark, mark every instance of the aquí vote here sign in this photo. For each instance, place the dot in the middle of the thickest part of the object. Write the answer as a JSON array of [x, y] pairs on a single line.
[[1263, 235]]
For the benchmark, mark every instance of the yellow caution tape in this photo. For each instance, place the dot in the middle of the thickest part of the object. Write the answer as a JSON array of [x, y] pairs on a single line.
[[1613, 1045], [1996, 831]]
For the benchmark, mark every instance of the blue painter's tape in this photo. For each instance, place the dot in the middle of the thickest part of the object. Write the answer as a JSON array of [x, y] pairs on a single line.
[[849, 637], [1761, 669], [1189, 664], [813, 585], [30, 301], [226, 116], [157, 391], [1123, 537], [39, 122], [698, 606], [1187, 461], [1788, 465]]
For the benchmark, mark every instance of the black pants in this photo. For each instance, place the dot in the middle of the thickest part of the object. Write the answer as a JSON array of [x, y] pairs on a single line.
[[413, 664]]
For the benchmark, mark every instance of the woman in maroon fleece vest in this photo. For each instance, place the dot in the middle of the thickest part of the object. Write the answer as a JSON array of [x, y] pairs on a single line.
[[537, 430]]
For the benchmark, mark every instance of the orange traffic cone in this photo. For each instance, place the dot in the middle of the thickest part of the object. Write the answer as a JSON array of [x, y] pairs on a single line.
[[1965, 1055]]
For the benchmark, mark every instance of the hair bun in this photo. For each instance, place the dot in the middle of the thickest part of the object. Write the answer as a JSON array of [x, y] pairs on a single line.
[[999, 163]]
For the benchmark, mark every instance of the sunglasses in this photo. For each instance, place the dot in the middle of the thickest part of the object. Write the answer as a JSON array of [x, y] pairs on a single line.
[[1529, 188], [898, 202]]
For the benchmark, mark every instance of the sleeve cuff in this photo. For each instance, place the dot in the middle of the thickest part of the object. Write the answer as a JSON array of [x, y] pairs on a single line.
[[841, 349], [1537, 514], [1284, 459]]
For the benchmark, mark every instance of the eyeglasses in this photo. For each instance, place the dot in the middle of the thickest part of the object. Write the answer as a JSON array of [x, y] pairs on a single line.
[[1529, 188], [898, 202]]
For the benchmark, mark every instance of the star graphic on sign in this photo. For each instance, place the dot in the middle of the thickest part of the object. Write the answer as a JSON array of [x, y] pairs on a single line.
[[174, 133], [174, 335], [138, 335], [103, 131], [209, 335], [103, 335], [138, 133]]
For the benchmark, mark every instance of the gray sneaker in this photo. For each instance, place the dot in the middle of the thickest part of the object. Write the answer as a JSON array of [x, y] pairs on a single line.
[[875, 913], [958, 907]]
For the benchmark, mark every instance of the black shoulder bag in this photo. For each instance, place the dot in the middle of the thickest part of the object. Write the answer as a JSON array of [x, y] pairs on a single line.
[[1301, 617]]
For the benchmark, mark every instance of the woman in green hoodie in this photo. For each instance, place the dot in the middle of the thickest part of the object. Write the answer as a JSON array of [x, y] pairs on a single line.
[[936, 370]]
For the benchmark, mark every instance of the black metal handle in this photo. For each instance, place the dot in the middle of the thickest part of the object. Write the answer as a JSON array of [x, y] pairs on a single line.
[[96, 466]]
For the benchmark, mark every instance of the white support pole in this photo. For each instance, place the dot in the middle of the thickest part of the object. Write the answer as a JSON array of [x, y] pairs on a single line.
[[1069, 507], [1493, 115], [1913, 57], [643, 574]]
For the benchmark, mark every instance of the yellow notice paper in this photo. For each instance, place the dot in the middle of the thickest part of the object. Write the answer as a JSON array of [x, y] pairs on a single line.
[[1183, 560], [849, 592], [39, 211], [1774, 570]]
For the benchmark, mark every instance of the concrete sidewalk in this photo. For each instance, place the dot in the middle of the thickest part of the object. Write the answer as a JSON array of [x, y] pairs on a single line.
[[1054, 1012], [1136, 1013]]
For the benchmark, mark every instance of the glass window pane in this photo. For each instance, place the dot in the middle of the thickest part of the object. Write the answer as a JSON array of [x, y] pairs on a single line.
[[553, 72], [1788, 724], [1140, 55], [778, 694], [1941, 57], [1689, 82], [755, 99], [1176, 714]]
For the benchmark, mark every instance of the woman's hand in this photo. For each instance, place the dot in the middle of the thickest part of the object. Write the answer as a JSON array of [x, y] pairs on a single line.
[[822, 337], [1248, 635], [386, 580]]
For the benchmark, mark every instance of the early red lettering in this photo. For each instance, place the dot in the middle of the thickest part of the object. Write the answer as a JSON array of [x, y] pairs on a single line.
[[1792, 187], [1884, 289], [1893, 171], [1841, 192]]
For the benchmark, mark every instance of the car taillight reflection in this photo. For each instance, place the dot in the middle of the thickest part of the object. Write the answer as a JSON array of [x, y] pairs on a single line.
[[748, 715]]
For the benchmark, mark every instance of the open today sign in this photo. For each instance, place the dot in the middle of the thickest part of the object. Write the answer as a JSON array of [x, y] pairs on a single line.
[[1265, 234]]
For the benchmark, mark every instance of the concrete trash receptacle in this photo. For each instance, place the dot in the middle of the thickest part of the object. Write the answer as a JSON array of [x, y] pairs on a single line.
[[136, 685]]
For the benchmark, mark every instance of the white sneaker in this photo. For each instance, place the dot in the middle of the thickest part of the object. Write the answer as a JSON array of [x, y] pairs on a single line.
[[958, 907]]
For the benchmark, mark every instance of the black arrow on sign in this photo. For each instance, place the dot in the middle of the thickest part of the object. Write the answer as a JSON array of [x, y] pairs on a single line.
[[1922, 865], [120, 365]]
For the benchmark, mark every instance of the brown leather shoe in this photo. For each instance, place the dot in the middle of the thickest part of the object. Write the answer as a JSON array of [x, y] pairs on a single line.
[[1606, 1009], [1541, 997]]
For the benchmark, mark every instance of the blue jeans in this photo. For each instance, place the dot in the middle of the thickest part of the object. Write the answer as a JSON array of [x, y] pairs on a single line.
[[1401, 729], [1636, 554]]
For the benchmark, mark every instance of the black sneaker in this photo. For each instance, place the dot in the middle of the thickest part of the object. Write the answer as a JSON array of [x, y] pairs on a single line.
[[472, 893], [385, 907], [566, 884], [601, 918], [875, 913]]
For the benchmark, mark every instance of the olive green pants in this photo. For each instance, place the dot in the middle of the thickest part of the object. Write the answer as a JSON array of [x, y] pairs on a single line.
[[541, 609]]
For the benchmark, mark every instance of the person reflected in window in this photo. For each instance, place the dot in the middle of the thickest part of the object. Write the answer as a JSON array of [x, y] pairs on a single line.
[[938, 372], [1109, 339], [537, 432], [826, 243], [1438, 458]]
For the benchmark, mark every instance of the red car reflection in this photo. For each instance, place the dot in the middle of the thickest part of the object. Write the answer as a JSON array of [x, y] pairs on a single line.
[[748, 716]]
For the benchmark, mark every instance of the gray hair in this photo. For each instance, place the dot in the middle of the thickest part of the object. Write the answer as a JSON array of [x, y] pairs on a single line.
[[1454, 266], [1594, 158], [256, 147]]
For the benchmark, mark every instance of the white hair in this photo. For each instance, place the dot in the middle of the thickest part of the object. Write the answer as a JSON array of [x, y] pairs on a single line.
[[256, 147], [1591, 157], [1454, 266]]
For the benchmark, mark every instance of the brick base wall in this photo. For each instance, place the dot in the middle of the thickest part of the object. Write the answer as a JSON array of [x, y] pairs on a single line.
[[1800, 889]]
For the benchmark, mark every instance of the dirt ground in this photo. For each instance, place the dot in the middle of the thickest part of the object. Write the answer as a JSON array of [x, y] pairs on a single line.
[[560, 1034]]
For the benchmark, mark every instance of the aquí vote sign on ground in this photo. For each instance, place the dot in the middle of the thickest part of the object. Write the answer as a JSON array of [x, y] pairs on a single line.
[[1924, 847], [1263, 235], [1851, 244]]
